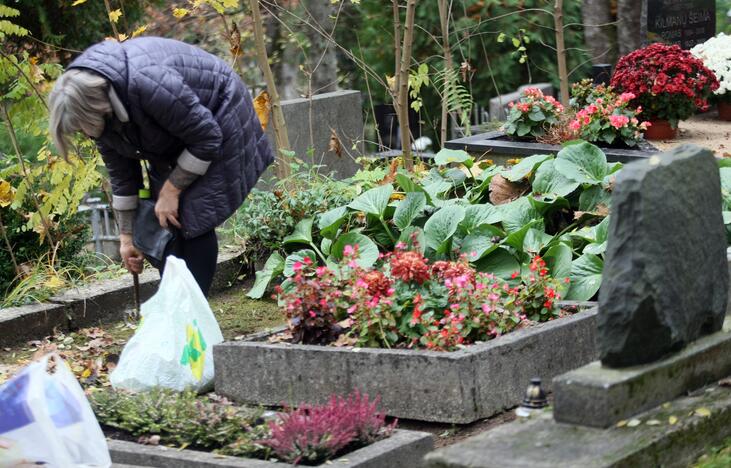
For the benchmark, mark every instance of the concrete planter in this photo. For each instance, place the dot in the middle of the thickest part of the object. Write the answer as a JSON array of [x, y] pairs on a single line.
[[455, 387], [500, 149], [404, 449], [99, 302]]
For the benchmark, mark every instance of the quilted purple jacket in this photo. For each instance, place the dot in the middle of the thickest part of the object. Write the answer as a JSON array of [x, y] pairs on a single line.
[[180, 98]]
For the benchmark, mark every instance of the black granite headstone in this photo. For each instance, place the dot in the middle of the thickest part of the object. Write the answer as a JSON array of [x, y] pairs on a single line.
[[665, 280], [682, 22]]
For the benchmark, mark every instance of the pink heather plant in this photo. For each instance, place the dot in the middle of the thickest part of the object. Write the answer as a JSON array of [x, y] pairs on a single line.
[[313, 434]]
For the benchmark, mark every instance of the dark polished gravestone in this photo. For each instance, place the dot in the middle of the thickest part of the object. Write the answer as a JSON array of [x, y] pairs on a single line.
[[665, 279], [682, 22]]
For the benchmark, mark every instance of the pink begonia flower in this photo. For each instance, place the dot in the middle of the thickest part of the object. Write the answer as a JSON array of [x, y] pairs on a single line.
[[575, 125], [348, 250], [361, 283], [312, 314], [297, 266], [493, 297], [400, 245], [321, 270], [618, 121], [626, 97], [599, 101], [351, 309]]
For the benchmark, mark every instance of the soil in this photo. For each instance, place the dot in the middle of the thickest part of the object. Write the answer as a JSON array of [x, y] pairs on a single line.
[[704, 130]]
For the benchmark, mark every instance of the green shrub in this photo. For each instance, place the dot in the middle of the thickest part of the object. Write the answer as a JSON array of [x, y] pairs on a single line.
[[182, 418]]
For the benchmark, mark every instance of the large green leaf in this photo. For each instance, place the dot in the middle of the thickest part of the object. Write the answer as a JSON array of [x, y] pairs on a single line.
[[406, 184], [518, 213], [367, 249], [551, 183], [600, 233], [516, 238], [440, 227], [525, 167], [273, 267], [593, 197], [477, 215], [413, 237], [583, 162], [302, 233], [558, 260], [725, 173], [330, 221], [295, 257], [499, 262], [374, 201], [476, 246], [586, 277], [409, 209], [535, 240], [446, 156]]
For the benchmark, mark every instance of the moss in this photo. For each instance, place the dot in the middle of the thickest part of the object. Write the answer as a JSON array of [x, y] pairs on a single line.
[[238, 315]]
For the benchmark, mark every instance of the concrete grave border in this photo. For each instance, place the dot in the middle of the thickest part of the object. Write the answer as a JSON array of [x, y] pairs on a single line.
[[453, 387], [500, 151], [98, 302], [404, 449]]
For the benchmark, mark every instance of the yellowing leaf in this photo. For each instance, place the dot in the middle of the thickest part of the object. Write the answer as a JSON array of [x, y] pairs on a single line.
[[114, 15], [180, 12], [54, 282], [139, 30], [262, 107], [653, 422], [6, 193], [122, 37], [672, 420], [86, 373], [622, 423], [633, 423], [703, 412], [78, 2]]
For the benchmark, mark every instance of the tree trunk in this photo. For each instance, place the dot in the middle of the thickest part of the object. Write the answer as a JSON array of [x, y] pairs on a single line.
[[600, 40], [322, 59], [629, 14], [563, 73], [444, 16], [403, 82], [280, 128]]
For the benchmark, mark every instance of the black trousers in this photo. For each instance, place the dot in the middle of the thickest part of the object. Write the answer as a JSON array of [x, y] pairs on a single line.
[[200, 255]]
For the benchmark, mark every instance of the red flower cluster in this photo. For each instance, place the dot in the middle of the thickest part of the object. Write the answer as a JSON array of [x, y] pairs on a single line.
[[410, 267], [663, 77]]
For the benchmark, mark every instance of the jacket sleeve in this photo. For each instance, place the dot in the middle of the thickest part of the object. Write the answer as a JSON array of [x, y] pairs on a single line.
[[166, 98], [125, 175]]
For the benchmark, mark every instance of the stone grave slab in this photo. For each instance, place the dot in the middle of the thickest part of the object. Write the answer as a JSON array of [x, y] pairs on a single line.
[[703, 420], [597, 396]]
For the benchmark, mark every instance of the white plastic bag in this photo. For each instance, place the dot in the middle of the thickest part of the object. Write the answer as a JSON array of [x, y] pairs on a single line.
[[46, 419], [172, 348]]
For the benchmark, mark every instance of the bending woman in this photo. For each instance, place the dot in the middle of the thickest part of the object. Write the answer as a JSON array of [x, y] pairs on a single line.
[[186, 113]]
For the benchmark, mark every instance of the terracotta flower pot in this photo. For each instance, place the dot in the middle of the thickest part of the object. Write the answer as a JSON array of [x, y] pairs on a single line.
[[660, 130], [724, 110]]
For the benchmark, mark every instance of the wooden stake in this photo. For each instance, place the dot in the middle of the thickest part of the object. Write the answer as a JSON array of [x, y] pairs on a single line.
[[280, 127], [563, 73]]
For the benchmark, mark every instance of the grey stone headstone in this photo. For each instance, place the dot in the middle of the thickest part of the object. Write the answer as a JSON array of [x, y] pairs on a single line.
[[312, 122], [682, 22], [665, 280]]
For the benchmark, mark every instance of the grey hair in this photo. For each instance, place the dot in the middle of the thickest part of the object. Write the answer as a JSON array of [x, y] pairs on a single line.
[[79, 102]]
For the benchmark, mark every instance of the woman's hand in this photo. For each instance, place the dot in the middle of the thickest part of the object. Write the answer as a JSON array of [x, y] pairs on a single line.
[[166, 208], [132, 258]]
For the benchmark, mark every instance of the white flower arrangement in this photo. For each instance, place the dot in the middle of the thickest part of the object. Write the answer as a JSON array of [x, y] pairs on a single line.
[[716, 55]]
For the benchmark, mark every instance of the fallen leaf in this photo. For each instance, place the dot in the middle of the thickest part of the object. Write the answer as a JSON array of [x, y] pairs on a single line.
[[633, 423], [666, 405], [262, 107], [334, 146], [653, 422], [622, 423], [503, 191], [672, 420], [180, 12], [703, 412]]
